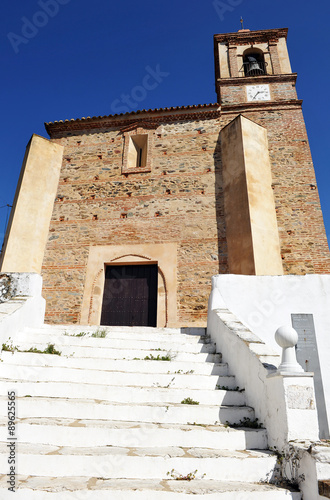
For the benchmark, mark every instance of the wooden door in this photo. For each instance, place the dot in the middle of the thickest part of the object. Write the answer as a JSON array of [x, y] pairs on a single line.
[[130, 295]]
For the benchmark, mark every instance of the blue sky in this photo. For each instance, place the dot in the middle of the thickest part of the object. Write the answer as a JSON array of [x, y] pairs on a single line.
[[64, 59]]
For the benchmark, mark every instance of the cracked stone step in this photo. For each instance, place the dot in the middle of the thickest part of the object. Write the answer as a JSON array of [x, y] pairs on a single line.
[[131, 412], [141, 463], [121, 394], [114, 378], [150, 366], [70, 432], [86, 488]]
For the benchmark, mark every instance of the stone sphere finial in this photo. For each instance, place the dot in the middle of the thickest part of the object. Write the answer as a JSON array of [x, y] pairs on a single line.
[[286, 336]]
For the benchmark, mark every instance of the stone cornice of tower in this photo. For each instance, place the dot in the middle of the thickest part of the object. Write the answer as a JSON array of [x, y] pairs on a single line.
[[290, 77], [150, 118], [245, 37], [260, 106]]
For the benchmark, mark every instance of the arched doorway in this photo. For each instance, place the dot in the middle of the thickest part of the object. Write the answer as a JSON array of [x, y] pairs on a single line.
[[130, 295], [162, 256]]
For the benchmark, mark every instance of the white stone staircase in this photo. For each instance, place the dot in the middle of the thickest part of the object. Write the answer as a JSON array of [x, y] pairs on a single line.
[[102, 422]]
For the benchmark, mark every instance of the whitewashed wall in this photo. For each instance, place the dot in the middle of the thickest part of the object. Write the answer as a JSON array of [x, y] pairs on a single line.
[[263, 303], [21, 303]]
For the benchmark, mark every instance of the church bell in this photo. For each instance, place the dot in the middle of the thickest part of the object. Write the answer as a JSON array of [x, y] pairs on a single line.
[[254, 67]]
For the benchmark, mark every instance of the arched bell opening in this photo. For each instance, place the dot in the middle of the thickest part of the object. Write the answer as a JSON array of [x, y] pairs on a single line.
[[254, 63]]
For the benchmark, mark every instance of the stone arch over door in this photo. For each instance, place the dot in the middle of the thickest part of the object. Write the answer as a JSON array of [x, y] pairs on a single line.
[[164, 255]]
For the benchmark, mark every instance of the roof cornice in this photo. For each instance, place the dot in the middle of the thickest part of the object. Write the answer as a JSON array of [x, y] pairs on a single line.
[[126, 119], [244, 37]]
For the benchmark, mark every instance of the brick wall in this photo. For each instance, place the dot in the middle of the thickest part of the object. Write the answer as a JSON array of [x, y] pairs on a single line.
[[282, 88], [304, 246], [180, 201]]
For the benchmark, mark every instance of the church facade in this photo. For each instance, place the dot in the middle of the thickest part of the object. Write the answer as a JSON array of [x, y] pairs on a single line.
[[127, 217]]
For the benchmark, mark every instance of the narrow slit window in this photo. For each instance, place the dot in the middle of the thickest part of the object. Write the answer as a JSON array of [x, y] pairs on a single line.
[[140, 158]]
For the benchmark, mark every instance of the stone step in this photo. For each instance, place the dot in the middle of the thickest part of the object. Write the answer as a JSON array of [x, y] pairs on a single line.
[[130, 354], [83, 333], [119, 331], [108, 426], [121, 394], [70, 344], [114, 378], [86, 488], [166, 413], [89, 433], [140, 463], [134, 366]]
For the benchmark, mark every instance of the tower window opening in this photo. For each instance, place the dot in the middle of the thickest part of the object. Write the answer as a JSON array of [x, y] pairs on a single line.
[[137, 151], [254, 63]]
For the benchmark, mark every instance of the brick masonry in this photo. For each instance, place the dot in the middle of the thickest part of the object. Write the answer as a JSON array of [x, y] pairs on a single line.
[[177, 197], [179, 200], [324, 488]]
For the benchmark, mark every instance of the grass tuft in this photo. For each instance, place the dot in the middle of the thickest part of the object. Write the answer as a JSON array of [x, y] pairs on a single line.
[[167, 357], [99, 334], [189, 401]]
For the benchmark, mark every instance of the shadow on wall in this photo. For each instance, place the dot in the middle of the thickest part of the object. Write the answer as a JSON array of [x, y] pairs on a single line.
[[220, 210]]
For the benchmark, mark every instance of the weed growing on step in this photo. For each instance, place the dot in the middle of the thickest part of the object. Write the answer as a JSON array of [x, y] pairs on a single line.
[[167, 357], [99, 334], [226, 388], [189, 401], [181, 372], [80, 334], [286, 472], [34, 350], [9, 346], [50, 349], [156, 384], [169, 384], [179, 477], [246, 422]]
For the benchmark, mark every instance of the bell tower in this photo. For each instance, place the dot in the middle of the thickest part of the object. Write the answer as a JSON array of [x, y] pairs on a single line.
[[268, 179], [253, 68]]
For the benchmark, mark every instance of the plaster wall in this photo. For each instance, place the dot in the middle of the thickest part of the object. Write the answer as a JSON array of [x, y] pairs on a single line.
[[268, 304], [223, 59], [252, 232], [283, 56], [28, 226]]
